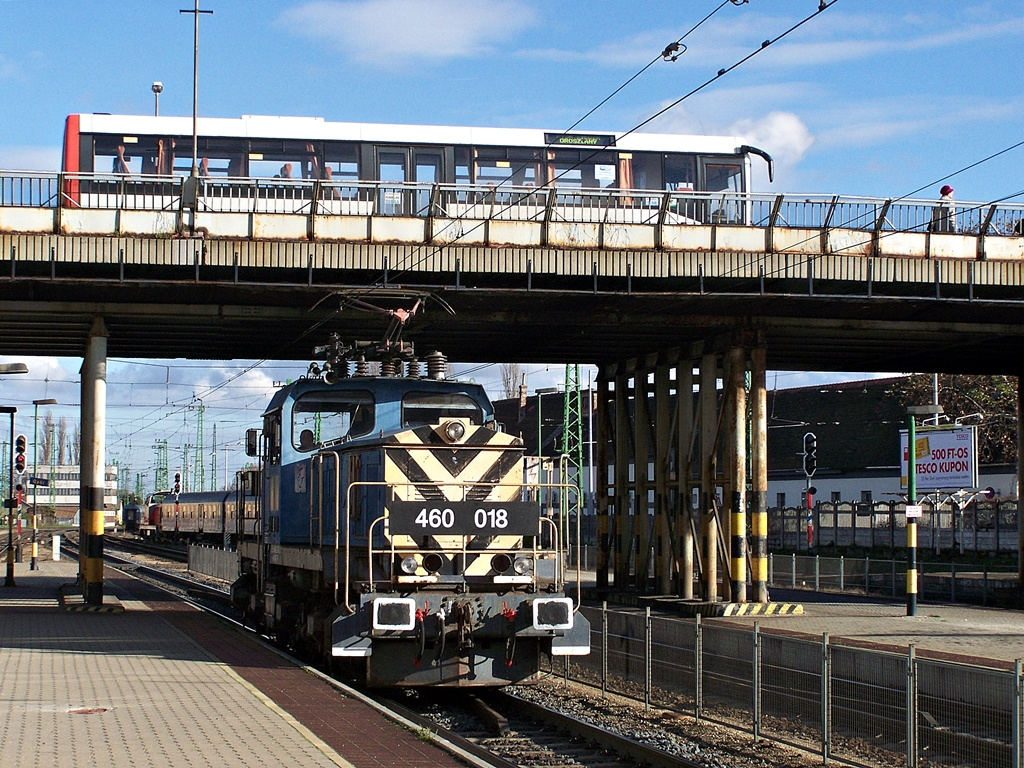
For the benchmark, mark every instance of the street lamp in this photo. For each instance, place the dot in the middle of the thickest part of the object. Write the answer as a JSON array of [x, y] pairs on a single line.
[[10, 503], [158, 88], [192, 185], [35, 475], [913, 412]]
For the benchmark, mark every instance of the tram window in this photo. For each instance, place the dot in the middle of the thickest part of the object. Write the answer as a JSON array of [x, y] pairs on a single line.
[[284, 160], [341, 159], [723, 177], [525, 167], [122, 154], [216, 157], [639, 170], [564, 169], [328, 417], [419, 408], [597, 169], [680, 173], [462, 165]]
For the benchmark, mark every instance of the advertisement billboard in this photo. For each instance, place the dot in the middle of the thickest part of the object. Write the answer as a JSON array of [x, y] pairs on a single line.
[[946, 458]]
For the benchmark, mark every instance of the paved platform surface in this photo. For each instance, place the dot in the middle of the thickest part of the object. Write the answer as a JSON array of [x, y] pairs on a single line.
[[994, 636], [162, 683]]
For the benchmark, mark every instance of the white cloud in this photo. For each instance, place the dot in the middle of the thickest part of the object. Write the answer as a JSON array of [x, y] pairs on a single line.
[[396, 34], [782, 134]]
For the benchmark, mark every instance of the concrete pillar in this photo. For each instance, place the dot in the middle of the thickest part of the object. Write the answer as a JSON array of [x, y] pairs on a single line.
[[1020, 485], [684, 461], [662, 512], [601, 461], [737, 398], [641, 478], [759, 471], [93, 457], [708, 470], [621, 522]]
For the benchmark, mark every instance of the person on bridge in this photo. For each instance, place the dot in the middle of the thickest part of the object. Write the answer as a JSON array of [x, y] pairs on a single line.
[[120, 164], [944, 214]]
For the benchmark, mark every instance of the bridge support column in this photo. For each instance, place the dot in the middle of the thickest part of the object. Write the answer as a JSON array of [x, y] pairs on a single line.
[[93, 454], [684, 462], [622, 520], [662, 498], [1020, 486], [708, 471], [737, 399], [759, 474], [601, 505]]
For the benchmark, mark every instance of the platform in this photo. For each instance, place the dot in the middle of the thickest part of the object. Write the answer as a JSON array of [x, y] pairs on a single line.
[[162, 683], [966, 633]]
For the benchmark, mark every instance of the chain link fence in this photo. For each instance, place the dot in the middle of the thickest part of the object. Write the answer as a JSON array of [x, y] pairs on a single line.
[[864, 707]]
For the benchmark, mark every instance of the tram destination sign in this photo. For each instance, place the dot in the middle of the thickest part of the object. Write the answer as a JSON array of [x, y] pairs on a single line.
[[580, 139], [946, 458], [464, 518]]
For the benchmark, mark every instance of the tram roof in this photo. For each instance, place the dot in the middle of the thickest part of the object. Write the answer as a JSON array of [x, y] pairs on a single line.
[[318, 129]]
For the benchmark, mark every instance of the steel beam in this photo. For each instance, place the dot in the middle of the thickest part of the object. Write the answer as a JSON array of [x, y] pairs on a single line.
[[759, 474]]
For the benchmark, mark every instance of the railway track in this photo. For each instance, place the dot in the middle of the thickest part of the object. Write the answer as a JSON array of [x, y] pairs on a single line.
[[492, 729]]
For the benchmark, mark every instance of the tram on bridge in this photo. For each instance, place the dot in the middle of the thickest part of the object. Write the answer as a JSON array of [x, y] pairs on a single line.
[[311, 148]]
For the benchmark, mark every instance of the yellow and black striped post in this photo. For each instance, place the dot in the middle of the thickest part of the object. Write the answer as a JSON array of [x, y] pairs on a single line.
[[94, 411], [738, 511], [911, 523], [759, 472]]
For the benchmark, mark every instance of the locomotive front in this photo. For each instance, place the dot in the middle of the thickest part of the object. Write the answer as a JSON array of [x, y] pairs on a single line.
[[400, 538]]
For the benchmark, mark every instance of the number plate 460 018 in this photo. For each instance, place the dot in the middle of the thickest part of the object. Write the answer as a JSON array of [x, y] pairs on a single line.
[[464, 518]]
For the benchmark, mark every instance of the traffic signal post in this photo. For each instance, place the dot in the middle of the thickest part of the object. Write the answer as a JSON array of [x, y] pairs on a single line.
[[9, 503], [810, 467]]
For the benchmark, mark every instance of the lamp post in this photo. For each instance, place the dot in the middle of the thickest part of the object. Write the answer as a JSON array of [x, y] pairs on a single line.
[[158, 88], [10, 503], [35, 477], [194, 175], [913, 412]]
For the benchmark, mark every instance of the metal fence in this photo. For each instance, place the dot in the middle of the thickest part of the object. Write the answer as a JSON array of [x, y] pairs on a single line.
[[941, 582], [105, 191], [980, 526], [864, 707]]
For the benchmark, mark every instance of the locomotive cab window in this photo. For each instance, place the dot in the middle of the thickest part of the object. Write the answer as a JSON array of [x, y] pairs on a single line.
[[419, 408], [319, 418]]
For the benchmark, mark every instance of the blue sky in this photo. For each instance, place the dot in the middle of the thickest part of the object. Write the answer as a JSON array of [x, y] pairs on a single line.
[[871, 97]]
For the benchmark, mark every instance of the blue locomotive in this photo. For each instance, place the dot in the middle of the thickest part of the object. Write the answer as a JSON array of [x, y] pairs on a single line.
[[394, 532]]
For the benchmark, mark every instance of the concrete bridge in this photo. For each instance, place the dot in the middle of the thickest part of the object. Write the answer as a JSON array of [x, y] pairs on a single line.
[[668, 293]]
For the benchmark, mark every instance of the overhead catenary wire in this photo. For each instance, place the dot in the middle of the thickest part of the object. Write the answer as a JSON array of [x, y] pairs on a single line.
[[371, 288]]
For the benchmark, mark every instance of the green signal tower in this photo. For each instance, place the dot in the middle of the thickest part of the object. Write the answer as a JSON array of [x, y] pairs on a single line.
[[161, 481], [572, 453], [199, 465]]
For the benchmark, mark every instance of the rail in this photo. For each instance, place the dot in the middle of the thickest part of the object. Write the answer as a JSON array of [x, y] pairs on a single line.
[[449, 205]]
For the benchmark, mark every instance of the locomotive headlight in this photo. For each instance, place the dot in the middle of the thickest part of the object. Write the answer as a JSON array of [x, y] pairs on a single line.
[[523, 565], [432, 562], [501, 563], [409, 565], [453, 431]]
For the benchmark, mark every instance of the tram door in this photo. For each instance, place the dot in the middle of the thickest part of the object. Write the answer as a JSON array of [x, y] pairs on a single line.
[[724, 182], [405, 164]]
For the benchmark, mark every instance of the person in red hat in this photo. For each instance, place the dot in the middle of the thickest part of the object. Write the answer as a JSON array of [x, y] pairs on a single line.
[[944, 214]]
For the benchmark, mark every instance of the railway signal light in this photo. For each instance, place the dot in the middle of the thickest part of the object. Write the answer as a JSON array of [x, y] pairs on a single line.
[[177, 483], [810, 454], [20, 446]]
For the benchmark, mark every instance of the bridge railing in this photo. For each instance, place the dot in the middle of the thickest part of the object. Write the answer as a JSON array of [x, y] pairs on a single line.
[[114, 192]]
